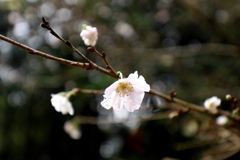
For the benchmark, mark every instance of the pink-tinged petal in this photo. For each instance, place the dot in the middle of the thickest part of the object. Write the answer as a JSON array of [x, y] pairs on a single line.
[[83, 34], [143, 84], [133, 75], [144, 87], [108, 100], [89, 35], [139, 82], [91, 29], [106, 103], [117, 103], [61, 104], [129, 105], [110, 89], [137, 99]]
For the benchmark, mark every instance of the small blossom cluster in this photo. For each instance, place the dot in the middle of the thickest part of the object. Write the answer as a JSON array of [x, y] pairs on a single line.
[[211, 104]]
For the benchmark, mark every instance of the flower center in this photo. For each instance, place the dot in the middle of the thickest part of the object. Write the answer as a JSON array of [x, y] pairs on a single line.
[[124, 89], [212, 105]]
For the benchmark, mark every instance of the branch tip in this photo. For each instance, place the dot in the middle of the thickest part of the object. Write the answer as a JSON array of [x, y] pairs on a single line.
[[45, 21]]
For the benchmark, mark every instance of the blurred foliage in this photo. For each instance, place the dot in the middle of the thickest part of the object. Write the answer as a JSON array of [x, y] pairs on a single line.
[[188, 46]]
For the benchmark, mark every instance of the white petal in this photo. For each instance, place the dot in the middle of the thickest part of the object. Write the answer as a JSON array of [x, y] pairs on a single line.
[[117, 103], [61, 104], [212, 103], [107, 103], [221, 120], [110, 89], [143, 84], [89, 36], [133, 75], [137, 99]]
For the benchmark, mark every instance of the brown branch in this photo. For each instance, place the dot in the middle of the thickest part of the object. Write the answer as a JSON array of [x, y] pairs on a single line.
[[103, 57], [89, 91], [42, 54], [193, 106], [182, 103], [61, 60], [45, 24], [108, 71]]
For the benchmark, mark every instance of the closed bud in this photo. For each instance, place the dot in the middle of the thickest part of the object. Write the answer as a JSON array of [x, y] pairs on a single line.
[[228, 97]]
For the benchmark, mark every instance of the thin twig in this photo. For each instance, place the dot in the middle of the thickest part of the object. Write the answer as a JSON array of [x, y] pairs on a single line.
[[193, 106], [45, 24], [108, 71], [61, 60], [42, 54], [179, 102], [105, 120], [89, 91], [103, 56]]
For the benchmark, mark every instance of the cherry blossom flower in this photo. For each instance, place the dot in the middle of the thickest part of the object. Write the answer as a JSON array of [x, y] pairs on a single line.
[[61, 104], [221, 120], [89, 35], [72, 130], [212, 103], [126, 92]]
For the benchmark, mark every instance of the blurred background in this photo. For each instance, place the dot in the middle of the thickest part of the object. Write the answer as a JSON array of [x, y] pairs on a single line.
[[188, 46]]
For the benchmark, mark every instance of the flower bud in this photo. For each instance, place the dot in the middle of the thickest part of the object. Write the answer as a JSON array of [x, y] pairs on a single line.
[[228, 97], [89, 35]]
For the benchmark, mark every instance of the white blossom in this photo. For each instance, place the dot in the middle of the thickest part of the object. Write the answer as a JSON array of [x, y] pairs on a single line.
[[61, 104], [221, 120], [126, 92], [72, 129], [212, 103], [89, 35]]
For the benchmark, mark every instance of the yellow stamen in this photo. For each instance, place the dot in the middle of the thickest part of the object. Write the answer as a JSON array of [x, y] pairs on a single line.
[[124, 88]]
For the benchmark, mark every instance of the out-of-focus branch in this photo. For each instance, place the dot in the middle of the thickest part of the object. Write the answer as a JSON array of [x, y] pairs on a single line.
[[193, 106], [182, 103], [106, 120], [89, 91]]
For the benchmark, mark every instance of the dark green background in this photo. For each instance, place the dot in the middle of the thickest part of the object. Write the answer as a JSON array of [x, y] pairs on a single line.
[[188, 46]]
